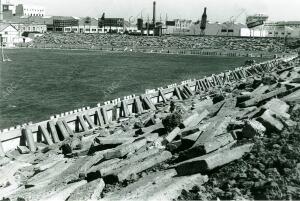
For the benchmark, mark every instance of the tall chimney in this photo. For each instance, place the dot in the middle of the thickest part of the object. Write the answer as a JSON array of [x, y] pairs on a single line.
[[154, 12], [1, 11], [203, 20]]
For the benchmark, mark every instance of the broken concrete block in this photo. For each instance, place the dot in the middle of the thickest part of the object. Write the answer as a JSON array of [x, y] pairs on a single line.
[[23, 150], [94, 170], [172, 135], [199, 106], [71, 144], [187, 121], [219, 126], [150, 137], [253, 128], [8, 171], [211, 161], [194, 119], [66, 192], [194, 129], [217, 142], [124, 149], [256, 100], [172, 189], [278, 106], [243, 98], [89, 191], [44, 178], [293, 97], [235, 124], [139, 190], [259, 90], [113, 169], [143, 165], [190, 140], [102, 141], [270, 122]]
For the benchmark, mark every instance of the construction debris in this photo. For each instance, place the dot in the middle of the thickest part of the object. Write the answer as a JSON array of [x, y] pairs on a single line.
[[176, 149]]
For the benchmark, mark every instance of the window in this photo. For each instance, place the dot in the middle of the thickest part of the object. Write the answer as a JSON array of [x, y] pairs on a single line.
[[270, 33], [6, 33], [94, 29], [74, 29], [223, 30], [33, 28], [230, 30], [87, 29]]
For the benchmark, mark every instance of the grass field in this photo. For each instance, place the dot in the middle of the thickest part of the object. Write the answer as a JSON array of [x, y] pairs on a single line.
[[40, 83]]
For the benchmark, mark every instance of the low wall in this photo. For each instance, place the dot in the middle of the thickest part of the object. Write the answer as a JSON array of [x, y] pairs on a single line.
[[118, 110]]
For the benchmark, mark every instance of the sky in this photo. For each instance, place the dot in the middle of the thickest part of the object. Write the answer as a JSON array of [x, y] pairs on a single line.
[[217, 10]]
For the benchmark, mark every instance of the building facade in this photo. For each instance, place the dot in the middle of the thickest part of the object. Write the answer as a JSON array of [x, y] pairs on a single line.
[[27, 10], [283, 29], [32, 27], [10, 35], [187, 27], [9, 10], [289, 29]]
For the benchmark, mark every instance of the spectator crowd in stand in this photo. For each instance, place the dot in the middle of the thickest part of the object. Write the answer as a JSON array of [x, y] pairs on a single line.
[[164, 42]]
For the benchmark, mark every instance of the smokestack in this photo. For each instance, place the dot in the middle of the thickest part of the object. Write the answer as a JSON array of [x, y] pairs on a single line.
[[203, 20], [1, 11], [154, 12]]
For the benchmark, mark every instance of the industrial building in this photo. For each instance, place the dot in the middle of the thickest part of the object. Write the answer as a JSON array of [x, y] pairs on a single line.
[[283, 29], [11, 10], [28, 10], [111, 25], [290, 29]]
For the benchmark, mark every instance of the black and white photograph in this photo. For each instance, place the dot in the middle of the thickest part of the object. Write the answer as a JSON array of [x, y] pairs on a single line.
[[149, 100]]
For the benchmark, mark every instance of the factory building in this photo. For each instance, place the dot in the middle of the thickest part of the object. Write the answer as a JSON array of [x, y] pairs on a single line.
[[84, 25], [111, 25], [187, 27], [27, 10], [218, 29], [182, 27], [289, 29], [33, 27], [283, 29], [8, 10]]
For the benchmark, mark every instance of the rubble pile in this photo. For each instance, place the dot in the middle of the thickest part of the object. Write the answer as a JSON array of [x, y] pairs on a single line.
[[164, 42], [233, 141]]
